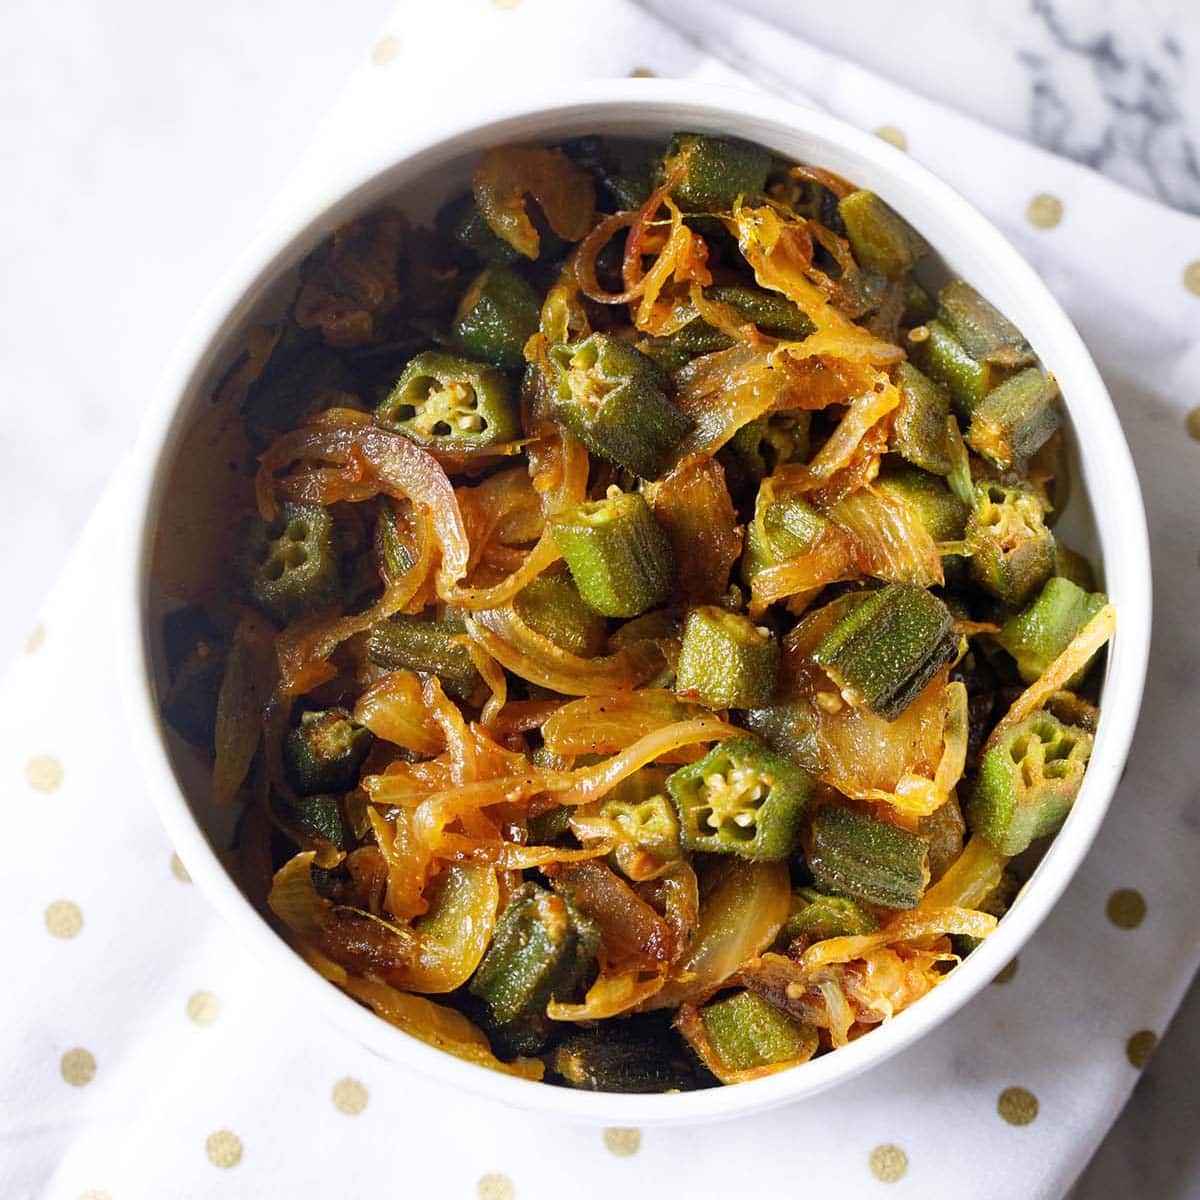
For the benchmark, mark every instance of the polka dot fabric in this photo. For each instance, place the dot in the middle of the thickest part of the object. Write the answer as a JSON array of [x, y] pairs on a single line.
[[147, 1054]]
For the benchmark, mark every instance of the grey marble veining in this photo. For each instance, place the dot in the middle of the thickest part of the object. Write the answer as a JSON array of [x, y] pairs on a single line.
[[1112, 92]]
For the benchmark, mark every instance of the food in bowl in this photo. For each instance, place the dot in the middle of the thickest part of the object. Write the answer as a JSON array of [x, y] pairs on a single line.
[[644, 650]]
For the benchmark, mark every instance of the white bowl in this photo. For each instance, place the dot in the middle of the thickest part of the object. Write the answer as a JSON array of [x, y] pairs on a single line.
[[422, 170]]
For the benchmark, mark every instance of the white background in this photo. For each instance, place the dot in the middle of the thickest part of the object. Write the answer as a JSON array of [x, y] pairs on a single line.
[[142, 140]]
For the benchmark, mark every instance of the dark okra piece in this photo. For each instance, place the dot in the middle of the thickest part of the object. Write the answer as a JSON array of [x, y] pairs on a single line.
[[295, 562], [613, 398], [190, 704], [783, 527], [942, 513], [775, 315], [882, 240], [1011, 550], [743, 799], [461, 222], [394, 556], [866, 859], [1072, 565], [919, 424], [983, 331], [324, 751], [619, 556], [918, 304], [541, 950], [431, 647], [1036, 636], [885, 650], [1027, 782], [745, 1031], [726, 660], [300, 377], [817, 917], [942, 356], [547, 826], [615, 1058], [498, 313], [710, 173], [1014, 419], [553, 607], [996, 903], [322, 813], [441, 398], [787, 728]]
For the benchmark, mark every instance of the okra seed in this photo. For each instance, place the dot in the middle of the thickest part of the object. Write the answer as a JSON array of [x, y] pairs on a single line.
[[831, 702], [918, 334]]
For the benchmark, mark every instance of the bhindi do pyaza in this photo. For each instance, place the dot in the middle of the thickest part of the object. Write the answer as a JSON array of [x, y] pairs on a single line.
[[641, 656]]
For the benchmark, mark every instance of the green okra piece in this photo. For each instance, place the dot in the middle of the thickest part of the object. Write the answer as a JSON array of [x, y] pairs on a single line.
[[431, 647], [1015, 419], [615, 1058], [393, 554], [726, 660], [788, 728], [1072, 565], [745, 1031], [613, 398], [1011, 551], [1071, 709], [882, 240], [996, 903], [942, 357], [783, 527], [547, 826], [775, 315], [866, 859], [1027, 782], [1037, 635], [541, 949], [817, 917], [295, 562], [640, 808], [618, 554], [461, 222], [741, 798], [942, 513], [885, 650], [983, 331], [190, 704], [441, 399], [324, 751], [710, 173], [322, 813], [918, 304], [552, 606], [761, 445], [919, 424], [498, 313]]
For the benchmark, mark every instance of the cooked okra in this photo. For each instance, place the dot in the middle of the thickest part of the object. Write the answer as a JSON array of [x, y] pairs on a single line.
[[642, 567], [619, 556], [743, 799]]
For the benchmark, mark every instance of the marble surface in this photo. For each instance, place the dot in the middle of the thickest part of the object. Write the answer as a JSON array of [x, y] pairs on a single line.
[[143, 141]]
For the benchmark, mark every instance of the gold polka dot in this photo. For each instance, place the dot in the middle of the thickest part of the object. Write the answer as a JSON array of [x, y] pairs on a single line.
[[1017, 1105], [37, 635], [1191, 277], [1126, 908], [349, 1096], [44, 772], [78, 1066], [1140, 1046], [1193, 423], [888, 1163], [179, 870], [892, 135], [1044, 211], [203, 1008], [1005, 974], [641, 73], [224, 1149], [64, 918], [385, 50], [623, 1142], [495, 1187]]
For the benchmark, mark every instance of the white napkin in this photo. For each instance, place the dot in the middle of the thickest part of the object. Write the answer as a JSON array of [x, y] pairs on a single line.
[[147, 1055]]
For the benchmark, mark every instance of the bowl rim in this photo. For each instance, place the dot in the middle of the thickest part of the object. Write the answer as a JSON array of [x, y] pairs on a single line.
[[1120, 527]]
